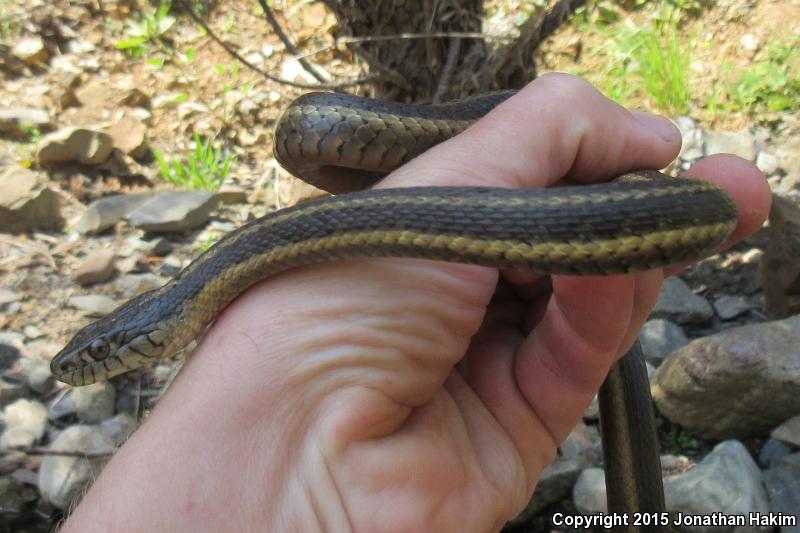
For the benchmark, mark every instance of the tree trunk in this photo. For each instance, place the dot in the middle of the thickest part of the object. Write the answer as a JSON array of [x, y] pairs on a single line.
[[440, 68]]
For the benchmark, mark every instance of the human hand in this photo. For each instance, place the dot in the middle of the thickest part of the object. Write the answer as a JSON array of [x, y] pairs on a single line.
[[402, 395]]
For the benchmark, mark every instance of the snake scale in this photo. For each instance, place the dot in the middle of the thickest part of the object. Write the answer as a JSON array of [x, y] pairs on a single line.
[[344, 143]]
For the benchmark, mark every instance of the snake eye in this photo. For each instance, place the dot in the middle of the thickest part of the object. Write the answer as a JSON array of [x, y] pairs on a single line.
[[98, 349]]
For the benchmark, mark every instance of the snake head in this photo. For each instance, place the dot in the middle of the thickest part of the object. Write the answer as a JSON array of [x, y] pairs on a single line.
[[117, 343]]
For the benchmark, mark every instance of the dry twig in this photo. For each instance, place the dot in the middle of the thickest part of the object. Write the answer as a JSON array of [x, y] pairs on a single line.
[[238, 57], [39, 450], [290, 47]]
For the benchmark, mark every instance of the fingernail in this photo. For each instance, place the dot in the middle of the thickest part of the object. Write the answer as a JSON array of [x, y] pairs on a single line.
[[659, 125]]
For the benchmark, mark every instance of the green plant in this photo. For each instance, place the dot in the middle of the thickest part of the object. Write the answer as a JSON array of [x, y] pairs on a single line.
[[146, 30], [208, 243], [30, 132], [652, 61], [206, 167], [663, 65], [769, 85], [9, 28], [679, 439]]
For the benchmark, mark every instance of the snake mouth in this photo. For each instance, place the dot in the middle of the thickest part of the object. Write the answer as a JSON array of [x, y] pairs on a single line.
[[67, 368], [63, 364]]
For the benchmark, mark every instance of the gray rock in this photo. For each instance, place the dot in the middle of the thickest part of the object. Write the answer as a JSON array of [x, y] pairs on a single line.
[[788, 155], [593, 411], [674, 462], [160, 247], [130, 137], [650, 369], [659, 338], [772, 452], [7, 296], [93, 305], [105, 212], [727, 481], [737, 383], [100, 92], [788, 432], [96, 268], [783, 489], [582, 444], [788, 185], [729, 307], [11, 337], [42, 348], [119, 428], [11, 346], [555, 484], [678, 303], [133, 248], [27, 202], [31, 50], [60, 407], [739, 143], [80, 145], [63, 478], [11, 501], [32, 332], [692, 136], [589, 493], [230, 194], [16, 437], [767, 163], [173, 211], [779, 270], [27, 476], [25, 422], [94, 403], [36, 373], [10, 391], [135, 284], [15, 122]]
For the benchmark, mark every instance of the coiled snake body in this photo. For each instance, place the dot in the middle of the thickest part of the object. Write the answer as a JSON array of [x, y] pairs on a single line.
[[342, 143]]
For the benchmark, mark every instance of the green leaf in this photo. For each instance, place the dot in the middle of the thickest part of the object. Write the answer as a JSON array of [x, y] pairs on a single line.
[[125, 44]]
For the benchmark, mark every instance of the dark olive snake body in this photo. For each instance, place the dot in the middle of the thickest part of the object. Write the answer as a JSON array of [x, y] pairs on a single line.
[[342, 143]]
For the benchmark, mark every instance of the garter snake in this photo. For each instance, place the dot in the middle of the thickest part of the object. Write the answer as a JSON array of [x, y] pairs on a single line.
[[343, 143]]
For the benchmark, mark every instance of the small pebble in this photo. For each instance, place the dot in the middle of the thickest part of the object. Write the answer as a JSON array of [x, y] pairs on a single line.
[[96, 268], [93, 305]]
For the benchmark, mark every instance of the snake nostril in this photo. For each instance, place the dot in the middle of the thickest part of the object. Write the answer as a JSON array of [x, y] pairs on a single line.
[[62, 367]]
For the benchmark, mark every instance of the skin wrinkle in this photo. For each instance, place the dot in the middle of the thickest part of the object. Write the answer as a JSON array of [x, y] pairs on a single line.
[[319, 476], [579, 326], [441, 302], [335, 351], [429, 507], [541, 345], [427, 336], [518, 391], [469, 405], [322, 313]]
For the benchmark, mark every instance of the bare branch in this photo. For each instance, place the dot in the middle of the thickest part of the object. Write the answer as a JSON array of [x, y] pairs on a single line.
[[38, 450], [431, 35], [238, 57], [449, 67], [558, 14], [290, 47]]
